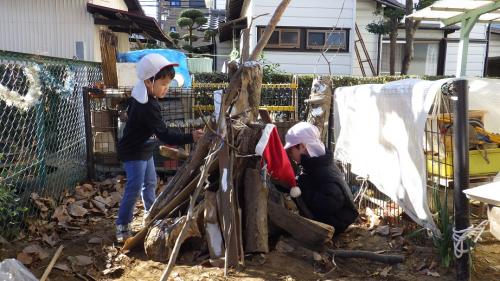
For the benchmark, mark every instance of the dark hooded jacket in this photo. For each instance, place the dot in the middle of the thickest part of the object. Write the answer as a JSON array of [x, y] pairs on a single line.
[[325, 192]]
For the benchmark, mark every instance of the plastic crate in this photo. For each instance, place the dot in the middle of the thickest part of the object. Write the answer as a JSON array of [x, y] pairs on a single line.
[[478, 165]]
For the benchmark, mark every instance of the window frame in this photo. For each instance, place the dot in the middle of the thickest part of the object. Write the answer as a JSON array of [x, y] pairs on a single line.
[[302, 45], [326, 34], [283, 45]]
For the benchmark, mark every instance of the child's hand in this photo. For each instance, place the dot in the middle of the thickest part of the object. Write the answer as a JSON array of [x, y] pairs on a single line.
[[198, 134]]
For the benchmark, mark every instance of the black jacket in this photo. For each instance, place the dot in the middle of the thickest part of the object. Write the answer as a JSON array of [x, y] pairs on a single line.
[[325, 192], [144, 121]]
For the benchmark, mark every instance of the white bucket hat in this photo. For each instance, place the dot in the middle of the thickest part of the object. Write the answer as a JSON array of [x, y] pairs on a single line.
[[308, 135], [146, 68]]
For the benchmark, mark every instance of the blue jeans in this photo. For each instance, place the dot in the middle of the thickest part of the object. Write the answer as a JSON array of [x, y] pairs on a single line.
[[141, 178]]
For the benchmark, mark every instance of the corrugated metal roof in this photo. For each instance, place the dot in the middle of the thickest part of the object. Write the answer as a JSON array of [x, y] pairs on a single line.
[[214, 19]]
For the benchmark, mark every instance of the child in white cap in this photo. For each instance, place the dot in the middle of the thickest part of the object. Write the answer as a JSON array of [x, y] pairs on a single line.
[[136, 147], [323, 187]]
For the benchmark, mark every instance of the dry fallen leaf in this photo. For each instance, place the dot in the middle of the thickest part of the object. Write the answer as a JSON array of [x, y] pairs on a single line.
[[433, 273], [113, 199], [95, 240], [396, 231], [61, 214], [116, 269], [62, 266], [100, 203], [84, 191], [76, 210], [25, 258], [80, 260], [385, 271], [52, 240], [35, 249], [383, 230]]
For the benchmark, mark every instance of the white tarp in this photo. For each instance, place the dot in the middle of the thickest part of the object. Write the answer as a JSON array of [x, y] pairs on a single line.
[[484, 94], [381, 136]]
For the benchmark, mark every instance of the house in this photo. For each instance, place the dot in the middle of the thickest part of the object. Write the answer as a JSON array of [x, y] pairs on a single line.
[[70, 28], [306, 25], [301, 33]]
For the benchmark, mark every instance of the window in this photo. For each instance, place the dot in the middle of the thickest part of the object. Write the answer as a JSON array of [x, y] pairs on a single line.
[[197, 4], [175, 3], [173, 29], [284, 38], [425, 58], [319, 39]]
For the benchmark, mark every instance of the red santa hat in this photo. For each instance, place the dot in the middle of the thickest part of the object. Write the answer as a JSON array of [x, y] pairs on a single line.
[[274, 155]]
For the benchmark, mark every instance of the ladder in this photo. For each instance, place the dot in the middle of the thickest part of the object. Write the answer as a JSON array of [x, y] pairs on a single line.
[[367, 56]]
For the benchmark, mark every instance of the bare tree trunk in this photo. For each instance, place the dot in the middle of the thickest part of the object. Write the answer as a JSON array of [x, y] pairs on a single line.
[[410, 28]]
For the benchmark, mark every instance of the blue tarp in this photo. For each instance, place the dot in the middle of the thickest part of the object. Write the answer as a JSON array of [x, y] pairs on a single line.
[[171, 55]]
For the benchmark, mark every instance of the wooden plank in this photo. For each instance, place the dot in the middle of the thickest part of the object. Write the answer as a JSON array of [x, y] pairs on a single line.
[[256, 194]]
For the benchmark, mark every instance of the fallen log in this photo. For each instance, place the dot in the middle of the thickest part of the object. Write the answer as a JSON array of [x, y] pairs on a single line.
[[312, 233], [359, 254]]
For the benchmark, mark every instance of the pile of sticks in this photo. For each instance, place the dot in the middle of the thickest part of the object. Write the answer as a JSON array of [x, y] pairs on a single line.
[[220, 199]]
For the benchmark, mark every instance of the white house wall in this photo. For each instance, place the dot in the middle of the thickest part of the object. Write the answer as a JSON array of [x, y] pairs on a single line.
[[52, 27], [365, 15], [46, 27], [475, 59], [223, 51], [307, 13]]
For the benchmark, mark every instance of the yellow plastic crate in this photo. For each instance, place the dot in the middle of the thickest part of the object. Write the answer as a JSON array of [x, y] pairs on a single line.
[[477, 164]]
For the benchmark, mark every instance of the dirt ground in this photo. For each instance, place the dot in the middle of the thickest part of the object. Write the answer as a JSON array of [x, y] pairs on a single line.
[[94, 238]]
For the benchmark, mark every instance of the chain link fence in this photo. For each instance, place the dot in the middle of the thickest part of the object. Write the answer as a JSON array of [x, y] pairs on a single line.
[[42, 135]]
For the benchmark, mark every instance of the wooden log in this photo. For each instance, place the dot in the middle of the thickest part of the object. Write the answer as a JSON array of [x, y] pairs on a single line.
[[312, 233], [161, 238], [251, 85], [320, 102], [109, 43], [389, 259], [227, 210], [137, 239], [256, 194], [212, 227]]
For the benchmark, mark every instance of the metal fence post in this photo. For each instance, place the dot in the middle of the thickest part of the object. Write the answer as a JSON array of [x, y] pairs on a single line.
[[461, 170], [88, 134]]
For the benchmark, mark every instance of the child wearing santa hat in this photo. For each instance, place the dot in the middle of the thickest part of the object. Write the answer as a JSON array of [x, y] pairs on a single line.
[[322, 185]]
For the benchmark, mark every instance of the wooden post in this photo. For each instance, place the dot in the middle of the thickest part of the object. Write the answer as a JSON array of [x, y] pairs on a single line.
[[320, 102], [256, 232], [109, 42]]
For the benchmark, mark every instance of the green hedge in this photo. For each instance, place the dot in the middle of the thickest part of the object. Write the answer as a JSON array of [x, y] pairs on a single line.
[[305, 80]]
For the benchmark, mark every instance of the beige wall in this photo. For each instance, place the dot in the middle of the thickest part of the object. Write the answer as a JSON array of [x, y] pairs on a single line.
[[115, 4]]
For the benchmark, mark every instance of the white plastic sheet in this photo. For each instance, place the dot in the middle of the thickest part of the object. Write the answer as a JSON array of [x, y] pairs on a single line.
[[381, 136], [14, 270]]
